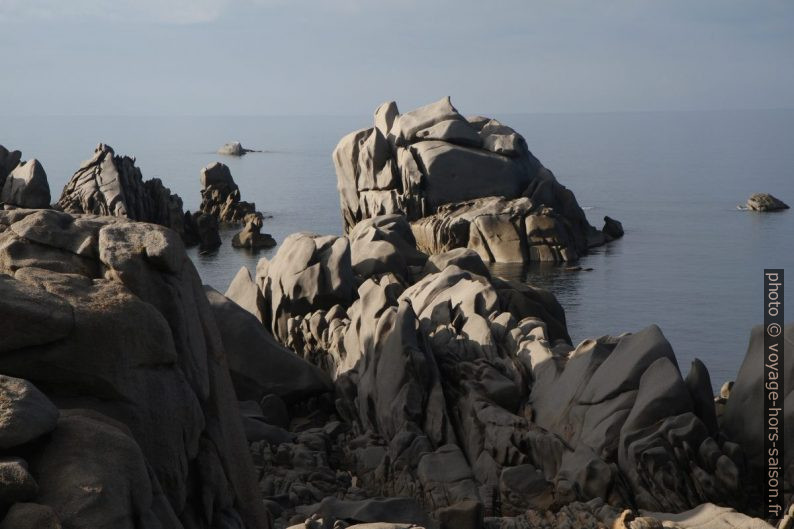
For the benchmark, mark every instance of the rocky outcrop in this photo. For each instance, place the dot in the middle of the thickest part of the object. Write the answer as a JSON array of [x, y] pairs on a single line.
[[112, 185], [462, 182], [220, 199], [8, 162], [116, 392], [742, 420], [202, 229], [220, 196], [26, 186], [234, 149], [22, 184], [765, 202], [250, 236], [462, 391], [258, 364]]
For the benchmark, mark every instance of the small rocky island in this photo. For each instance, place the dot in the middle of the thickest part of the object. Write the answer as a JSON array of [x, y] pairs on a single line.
[[380, 379], [765, 202], [462, 182], [234, 148]]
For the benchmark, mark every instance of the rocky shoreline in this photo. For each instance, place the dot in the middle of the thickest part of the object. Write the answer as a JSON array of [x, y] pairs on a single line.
[[379, 379]]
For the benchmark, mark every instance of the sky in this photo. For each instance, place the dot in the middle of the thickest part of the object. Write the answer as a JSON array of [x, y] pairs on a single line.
[[344, 57]]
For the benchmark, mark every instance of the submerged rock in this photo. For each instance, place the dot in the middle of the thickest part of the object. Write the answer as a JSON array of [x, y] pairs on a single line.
[[461, 182], [765, 202]]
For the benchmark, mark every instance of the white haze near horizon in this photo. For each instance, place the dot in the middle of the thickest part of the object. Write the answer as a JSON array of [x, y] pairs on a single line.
[[309, 57]]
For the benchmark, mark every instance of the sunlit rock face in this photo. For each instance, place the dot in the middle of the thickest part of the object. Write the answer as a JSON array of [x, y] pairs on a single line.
[[462, 182]]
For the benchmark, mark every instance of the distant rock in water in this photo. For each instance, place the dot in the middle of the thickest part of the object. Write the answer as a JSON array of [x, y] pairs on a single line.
[[112, 185], [206, 229], [234, 149], [765, 202], [461, 182], [250, 236], [612, 228], [220, 196], [22, 184]]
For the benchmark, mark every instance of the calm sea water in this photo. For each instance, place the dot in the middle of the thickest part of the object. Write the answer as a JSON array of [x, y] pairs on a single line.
[[690, 262]]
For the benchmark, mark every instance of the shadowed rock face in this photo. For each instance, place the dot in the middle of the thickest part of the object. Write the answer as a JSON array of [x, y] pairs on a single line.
[[463, 391], [743, 419], [22, 184], [108, 320], [26, 186], [8, 161], [462, 182]]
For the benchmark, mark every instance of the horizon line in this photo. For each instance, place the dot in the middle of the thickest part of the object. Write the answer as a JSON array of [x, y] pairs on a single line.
[[346, 115]]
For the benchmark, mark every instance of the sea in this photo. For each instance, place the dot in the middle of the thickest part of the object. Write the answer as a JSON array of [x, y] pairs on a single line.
[[690, 261]]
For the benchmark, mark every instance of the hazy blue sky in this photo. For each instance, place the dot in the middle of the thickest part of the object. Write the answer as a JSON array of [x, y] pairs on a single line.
[[344, 57]]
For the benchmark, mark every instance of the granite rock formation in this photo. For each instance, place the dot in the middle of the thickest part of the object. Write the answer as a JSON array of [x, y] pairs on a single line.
[[234, 148], [8, 162], [350, 381], [459, 397], [220, 195], [220, 198], [118, 409], [112, 185], [765, 202], [22, 183], [26, 186], [250, 236], [462, 182], [742, 421]]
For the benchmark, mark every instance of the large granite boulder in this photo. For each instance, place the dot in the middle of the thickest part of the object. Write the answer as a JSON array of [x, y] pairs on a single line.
[[108, 316], [25, 413], [26, 186], [308, 273], [258, 364], [462, 182], [382, 245]]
